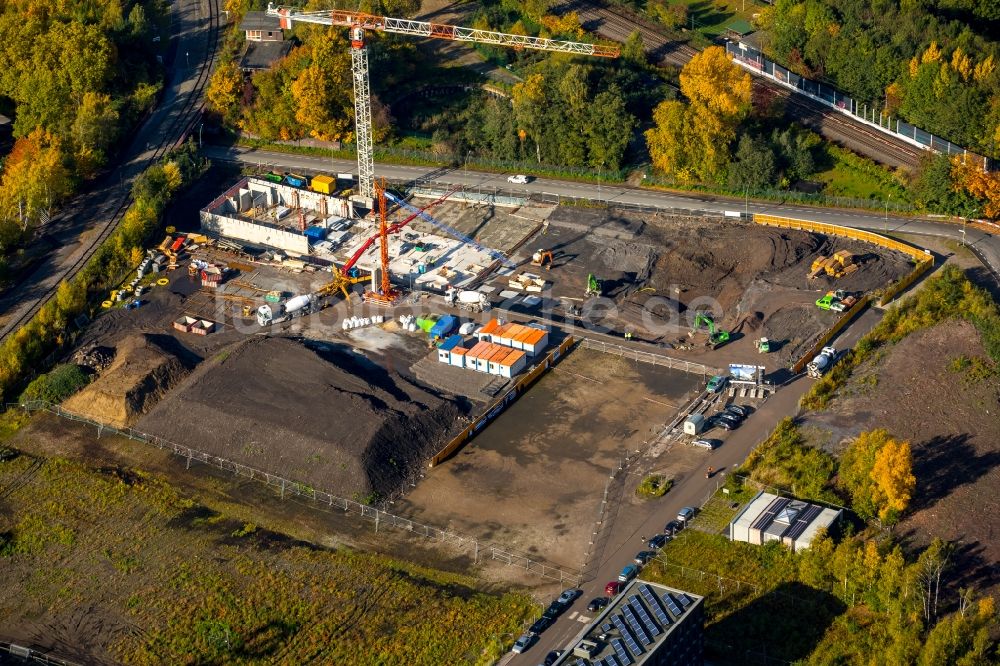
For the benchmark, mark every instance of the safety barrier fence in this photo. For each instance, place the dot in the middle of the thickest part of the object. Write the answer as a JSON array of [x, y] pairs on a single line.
[[754, 61], [900, 285], [647, 357], [831, 332], [916, 253], [502, 403], [476, 548]]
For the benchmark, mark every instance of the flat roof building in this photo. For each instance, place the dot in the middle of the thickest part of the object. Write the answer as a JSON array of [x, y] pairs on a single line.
[[648, 624], [771, 518]]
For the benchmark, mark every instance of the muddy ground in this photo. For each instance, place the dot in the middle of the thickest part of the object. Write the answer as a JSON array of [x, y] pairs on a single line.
[[658, 269], [951, 419], [534, 478]]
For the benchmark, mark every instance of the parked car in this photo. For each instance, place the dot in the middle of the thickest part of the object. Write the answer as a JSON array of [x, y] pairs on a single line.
[[707, 443], [673, 527], [729, 416], [597, 604], [685, 514], [740, 410], [613, 588], [628, 573], [716, 383], [551, 657], [554, 610], [644, 556], [569, 596], [725, 425], [519, 179], [540, 625], [523, 643], [657, 542]]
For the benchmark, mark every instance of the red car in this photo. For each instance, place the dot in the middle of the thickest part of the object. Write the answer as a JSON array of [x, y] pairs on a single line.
[[613, 588]]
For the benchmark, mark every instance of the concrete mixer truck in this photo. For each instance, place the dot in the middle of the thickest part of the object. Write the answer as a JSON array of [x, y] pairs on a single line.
[[821, 362], [279, 312], [473, 301]]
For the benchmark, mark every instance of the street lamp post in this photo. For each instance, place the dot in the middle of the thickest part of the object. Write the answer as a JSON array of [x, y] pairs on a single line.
[[885, 224], [746, 201]]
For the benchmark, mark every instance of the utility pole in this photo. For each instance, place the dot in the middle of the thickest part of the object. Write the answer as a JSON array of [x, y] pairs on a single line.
[[885, 224], [746, 201]]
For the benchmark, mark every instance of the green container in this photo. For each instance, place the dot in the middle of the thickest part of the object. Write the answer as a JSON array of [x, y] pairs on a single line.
[[426, 322], [273, 297]]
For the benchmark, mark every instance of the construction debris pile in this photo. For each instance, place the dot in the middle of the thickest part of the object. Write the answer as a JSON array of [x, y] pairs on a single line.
[[323, 416]]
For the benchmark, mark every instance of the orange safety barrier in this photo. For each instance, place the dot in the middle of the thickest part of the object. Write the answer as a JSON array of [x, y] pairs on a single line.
[[500, 405], [895, 288], [918, 254]]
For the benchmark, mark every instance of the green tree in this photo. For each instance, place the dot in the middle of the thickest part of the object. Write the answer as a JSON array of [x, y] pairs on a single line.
[[963, 638], [633, 49], [753, 165], [95, 127]]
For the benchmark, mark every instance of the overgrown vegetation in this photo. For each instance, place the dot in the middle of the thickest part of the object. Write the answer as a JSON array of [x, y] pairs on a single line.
[[63, 381], [949, 294], [200, 587], [31, 346], [783, 460], [654, 485]]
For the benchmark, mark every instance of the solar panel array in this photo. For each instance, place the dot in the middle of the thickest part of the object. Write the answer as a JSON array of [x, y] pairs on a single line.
[[623, 656], [627, 635], [655, 604], [644, 618], [610, 660], [672, 605]]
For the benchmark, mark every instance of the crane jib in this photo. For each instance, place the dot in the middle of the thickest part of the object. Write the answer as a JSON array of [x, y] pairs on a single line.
[[439, 31]]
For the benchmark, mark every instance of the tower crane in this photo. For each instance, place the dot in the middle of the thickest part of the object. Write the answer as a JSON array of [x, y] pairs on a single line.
[[360, 23]]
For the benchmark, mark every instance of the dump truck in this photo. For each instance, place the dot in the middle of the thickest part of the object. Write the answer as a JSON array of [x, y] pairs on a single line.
[[293, 307], [821, 362]]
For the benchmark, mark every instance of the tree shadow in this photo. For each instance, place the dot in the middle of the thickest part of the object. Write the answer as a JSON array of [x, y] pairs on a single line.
[[984, 277], [786, 623], [944, 463]]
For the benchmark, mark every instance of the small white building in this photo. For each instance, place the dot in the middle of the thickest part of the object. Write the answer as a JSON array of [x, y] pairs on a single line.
[[694, 424], [771, 518]]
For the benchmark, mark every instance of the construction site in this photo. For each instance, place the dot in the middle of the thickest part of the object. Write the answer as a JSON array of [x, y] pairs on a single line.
[[420, 345]]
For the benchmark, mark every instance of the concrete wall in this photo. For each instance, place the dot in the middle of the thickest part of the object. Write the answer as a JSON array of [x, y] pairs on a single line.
[[292, 242]]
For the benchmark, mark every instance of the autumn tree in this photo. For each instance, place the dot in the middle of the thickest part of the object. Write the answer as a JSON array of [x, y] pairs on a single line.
[[35, 177], [969, 176], [225, 90], [718, 94], [963, 637], [94, 130], [877, 471]]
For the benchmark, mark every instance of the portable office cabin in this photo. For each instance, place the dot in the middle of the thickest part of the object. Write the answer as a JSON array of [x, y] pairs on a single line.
[[458, 356], [513, 363], [535, 342], [486, 332], [444, 350]]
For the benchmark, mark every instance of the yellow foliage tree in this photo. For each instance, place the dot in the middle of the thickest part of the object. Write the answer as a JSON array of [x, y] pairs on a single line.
[[35, 177], [711, 80], [893, 477], [932, 54], [224, 89], [666, 139], [983, 185]]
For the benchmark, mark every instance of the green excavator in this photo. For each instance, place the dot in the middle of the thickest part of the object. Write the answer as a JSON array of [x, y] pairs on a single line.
[[716, 336], [593, 286]]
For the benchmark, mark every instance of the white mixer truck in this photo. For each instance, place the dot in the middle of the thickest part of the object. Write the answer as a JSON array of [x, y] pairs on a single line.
[[474, 301], [293, 307], [821, 362]]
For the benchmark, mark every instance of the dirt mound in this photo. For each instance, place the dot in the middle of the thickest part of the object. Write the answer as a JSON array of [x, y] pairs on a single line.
[[324, 416], [719, 261], [142, 371]]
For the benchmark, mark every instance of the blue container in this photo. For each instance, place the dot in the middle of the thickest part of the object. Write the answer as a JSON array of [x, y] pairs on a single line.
[[443, 326], [315, 233], [295, 180]]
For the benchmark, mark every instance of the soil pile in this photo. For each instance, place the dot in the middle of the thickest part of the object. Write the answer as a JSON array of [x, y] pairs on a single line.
[[142, 371], [329, 418]]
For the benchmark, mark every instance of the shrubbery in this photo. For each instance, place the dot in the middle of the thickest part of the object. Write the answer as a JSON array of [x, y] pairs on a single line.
[[56, 386]]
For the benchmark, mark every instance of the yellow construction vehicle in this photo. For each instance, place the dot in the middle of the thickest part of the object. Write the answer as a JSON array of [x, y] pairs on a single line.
[[342, 283], [542, 257]]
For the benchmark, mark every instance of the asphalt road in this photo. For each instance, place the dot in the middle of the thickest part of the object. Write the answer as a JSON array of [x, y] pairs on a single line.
[[985, 245], [69, 236]]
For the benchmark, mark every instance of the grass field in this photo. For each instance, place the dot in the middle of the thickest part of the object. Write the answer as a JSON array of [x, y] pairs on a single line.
[[116, 566], [848, 175]]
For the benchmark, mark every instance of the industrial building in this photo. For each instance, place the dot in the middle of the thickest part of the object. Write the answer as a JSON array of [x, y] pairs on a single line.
[[277, 215], [648, 624], [771, 518]]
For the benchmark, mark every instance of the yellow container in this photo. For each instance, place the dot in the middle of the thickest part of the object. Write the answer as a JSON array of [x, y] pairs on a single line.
[[107, 304], [324, 184], [163, 282]]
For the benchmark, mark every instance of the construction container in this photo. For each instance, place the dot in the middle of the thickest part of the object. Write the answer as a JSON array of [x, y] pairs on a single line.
[[273, 297], [443, 327], [324, 184], [458, 356], [426, 322], [694, 424], [273, 177], [486, 332], [444, 349], [295, 180], [493, 362], [177, 244], [513, 363], [535, 342]]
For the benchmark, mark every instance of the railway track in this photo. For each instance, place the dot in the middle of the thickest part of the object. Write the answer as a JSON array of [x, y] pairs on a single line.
[[173, 134], [617, 24]]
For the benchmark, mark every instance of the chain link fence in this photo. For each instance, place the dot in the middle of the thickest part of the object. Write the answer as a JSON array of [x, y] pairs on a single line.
[[379, 517]]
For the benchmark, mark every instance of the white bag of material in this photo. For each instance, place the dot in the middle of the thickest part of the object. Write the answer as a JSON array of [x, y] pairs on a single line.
[[345, 324]]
